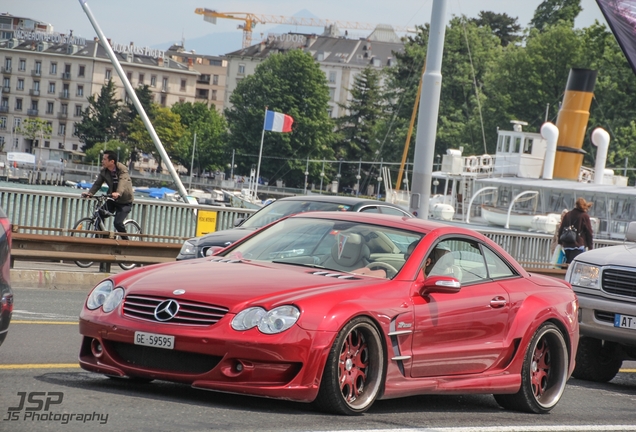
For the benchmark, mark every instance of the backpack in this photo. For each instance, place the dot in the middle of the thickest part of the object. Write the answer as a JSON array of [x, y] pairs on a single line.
[[569, 235]]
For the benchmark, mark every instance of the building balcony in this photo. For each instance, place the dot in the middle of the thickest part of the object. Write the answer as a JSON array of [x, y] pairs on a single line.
[[4, 108], [203, 81], [32, 112], [66, 76], [165, 89], [62, 115], [6, 89], [36, 72], [6, 70], [34, 92], [65, 95]]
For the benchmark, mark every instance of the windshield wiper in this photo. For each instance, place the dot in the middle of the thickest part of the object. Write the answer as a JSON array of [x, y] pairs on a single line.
[[298, 264]]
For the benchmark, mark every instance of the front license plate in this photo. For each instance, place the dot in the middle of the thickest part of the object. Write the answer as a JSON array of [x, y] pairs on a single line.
[[625, 321], [154, 340]]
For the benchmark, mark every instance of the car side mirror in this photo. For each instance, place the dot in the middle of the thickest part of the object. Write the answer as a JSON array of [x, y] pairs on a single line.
[[238, 221], [439, 284], [212, 250]]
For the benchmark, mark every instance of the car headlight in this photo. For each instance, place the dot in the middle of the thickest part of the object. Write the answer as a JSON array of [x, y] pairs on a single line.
[[113, 300], [188, 248], [275, 321], [585, 275], [99, 294]]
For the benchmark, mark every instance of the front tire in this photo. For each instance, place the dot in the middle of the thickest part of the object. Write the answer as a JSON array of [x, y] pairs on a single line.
[[354, 373], [133, 230], [84, 224], [543, 375], [596, 360]]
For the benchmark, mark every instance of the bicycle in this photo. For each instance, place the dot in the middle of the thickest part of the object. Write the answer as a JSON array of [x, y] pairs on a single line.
[[96, 223]]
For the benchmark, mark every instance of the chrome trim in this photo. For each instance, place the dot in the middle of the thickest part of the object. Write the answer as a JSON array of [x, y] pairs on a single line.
[[401, 358], [400, 332]]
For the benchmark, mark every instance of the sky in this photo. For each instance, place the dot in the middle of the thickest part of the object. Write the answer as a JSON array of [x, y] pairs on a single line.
[[160, 23]]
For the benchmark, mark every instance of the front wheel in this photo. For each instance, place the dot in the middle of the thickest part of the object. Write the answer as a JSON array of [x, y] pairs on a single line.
[[354, 373], [596, 360], [133, 230], [543, 375], [86, 224]]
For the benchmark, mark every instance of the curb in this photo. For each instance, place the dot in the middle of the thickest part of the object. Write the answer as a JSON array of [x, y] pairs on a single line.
[[55, 279]]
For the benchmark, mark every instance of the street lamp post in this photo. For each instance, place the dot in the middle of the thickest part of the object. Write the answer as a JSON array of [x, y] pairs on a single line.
[[306, 174], [118, 148], [358, 177], [339, 168], [322, 174]]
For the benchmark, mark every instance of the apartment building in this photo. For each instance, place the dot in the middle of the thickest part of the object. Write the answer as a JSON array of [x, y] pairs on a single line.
[[48, 75], [210, 85], [339, 57]]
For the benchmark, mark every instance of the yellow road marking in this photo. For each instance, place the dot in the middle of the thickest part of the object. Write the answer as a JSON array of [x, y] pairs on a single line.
[[628, 370], [44, 322], [40, 366]]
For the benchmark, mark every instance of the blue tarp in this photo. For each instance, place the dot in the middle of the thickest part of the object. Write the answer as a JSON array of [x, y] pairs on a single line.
[[159, 193]]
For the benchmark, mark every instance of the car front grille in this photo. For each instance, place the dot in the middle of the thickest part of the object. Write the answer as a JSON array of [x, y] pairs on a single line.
[[619, 282], [164, 359], [189, 313]]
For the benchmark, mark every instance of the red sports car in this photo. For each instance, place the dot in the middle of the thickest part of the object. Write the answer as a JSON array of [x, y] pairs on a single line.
[[341, 309]]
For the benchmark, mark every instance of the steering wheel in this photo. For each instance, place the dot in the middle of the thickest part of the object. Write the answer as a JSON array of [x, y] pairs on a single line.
[[385, 266]]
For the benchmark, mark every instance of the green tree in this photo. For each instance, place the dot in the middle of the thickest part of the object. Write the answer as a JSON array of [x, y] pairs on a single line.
[[168, 127], [550, 12], [290, 83], [94, 154], [357, 128], [211, 135], [36, 129], [505, 27], [100, 120]]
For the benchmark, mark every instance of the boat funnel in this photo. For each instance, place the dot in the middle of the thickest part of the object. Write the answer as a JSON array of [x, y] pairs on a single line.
[[601, 139], [572, 123], [551, 134]]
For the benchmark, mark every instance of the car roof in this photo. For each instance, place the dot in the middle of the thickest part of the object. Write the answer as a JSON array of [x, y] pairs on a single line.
[[340, 199]]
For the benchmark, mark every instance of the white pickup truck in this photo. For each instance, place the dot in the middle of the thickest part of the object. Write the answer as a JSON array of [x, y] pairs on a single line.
[[604, 281]]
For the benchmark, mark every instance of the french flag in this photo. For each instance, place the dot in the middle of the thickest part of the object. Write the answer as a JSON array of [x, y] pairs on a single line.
[[277, 122]]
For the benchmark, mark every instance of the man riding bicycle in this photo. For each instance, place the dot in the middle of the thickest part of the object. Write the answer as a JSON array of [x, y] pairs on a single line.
[[116, 176]]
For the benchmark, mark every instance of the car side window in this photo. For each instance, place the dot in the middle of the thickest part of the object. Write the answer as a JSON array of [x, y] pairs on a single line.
[[370, 209], [459, 258], [497, 268], [393, 211]]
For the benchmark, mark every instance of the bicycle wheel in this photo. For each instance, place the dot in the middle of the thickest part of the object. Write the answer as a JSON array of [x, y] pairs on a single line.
[[85, 224], [132, 228]]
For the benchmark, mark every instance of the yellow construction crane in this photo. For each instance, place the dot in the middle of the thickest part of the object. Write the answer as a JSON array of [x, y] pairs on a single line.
[[250, 20]]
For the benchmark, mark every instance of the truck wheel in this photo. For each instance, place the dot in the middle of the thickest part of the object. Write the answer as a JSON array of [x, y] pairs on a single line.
[[596, 360]]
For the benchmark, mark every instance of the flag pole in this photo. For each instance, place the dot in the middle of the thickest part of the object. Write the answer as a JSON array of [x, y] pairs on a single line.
[[260, 154]]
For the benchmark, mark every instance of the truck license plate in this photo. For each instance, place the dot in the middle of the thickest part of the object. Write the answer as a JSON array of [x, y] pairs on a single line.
[[625, 321]]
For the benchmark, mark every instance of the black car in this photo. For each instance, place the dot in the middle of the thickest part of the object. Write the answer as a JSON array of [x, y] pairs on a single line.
[[6, 301], [198, 247]]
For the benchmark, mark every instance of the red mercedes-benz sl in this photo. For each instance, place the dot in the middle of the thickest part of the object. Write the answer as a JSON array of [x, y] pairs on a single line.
[[341, 309]]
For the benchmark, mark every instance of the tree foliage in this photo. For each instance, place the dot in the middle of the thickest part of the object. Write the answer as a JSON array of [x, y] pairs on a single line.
[[101, 119], [505, 27], [290, 83], [550, 12]]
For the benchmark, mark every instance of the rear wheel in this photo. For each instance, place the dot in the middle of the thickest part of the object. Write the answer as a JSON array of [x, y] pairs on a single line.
[[543, 375], [86, 224], [354, 373], [132, 233], [596, 360]]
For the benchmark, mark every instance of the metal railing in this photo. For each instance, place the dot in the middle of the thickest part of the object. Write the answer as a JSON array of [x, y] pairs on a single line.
[[47, 209]]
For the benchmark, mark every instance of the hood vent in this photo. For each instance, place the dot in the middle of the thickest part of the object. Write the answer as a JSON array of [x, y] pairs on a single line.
[[226, 260], [334, 275]]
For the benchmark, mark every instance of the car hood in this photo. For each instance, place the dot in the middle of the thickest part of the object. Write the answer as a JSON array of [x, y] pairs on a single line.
[[216, 282], [223, 238], [622, 255]]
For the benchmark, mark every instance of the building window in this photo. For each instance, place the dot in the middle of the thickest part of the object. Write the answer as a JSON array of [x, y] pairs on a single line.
[[34, 105], [332, 93], [51, 87], [38, 68], [22, 65], [141, 78], [5, 103], [6, 83], [67, 69], [61, 129], [18, 104], [78, 110], [153, 80], [108, 74], [80, 90], [60, 145], [7, 64], [75, 147], [82, 70], [241, 69], [183, 85], [215, 80], [64, 108], [332, 77], [3, 122], [164, 84], [66, 90], [129, 76], [329, 112], [53, 70], [20, 84], [17, 121], [50, 106], [163, 100], [47, 144], [213, 95], [36, 86]]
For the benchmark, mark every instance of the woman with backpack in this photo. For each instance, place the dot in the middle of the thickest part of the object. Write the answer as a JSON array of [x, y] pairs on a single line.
[[575, 232]]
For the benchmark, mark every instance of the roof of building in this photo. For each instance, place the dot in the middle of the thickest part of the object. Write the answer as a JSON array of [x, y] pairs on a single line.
[[375, 50]]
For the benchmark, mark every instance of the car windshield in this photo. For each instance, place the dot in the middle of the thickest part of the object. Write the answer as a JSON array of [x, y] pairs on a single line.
[[280, 209], [343, 246]]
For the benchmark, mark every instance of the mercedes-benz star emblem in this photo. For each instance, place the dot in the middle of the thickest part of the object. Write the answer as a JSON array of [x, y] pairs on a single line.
[[166, 310], [178, 292]]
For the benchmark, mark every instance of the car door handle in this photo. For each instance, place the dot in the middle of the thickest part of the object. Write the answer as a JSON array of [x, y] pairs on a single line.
[[497, 302]]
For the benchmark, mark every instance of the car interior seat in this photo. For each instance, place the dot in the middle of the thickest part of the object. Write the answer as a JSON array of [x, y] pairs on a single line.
[[348, 253], [445, 266]]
